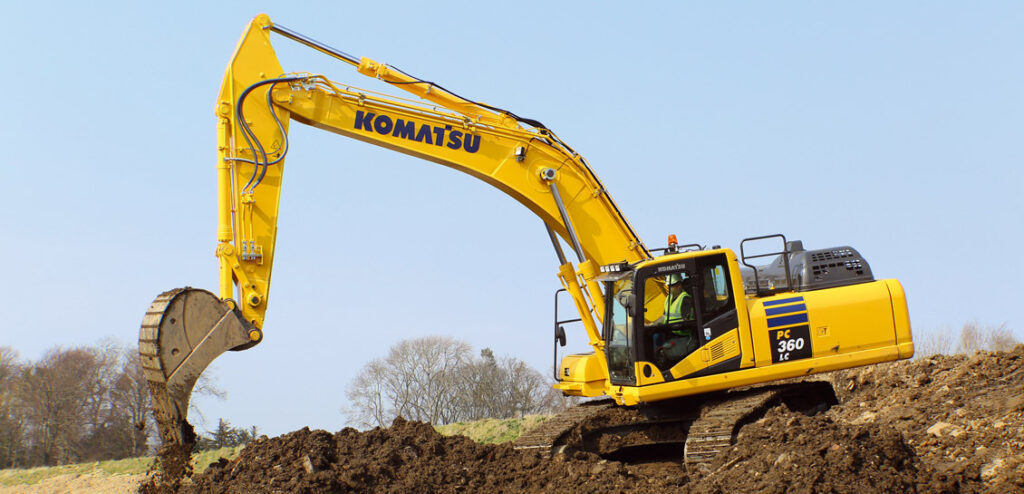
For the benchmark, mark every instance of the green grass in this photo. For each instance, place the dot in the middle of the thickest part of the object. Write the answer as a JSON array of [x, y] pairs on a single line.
[[492, 431], [128, 466]]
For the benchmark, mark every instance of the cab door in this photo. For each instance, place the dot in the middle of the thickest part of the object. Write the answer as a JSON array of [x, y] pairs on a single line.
[[667, 330], [717, 317]]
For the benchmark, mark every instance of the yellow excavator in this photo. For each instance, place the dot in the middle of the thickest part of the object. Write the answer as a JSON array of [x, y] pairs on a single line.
[[680, 334]]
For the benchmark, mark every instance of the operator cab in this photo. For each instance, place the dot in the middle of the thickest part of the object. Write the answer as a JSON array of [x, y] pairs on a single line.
[[662, 311]]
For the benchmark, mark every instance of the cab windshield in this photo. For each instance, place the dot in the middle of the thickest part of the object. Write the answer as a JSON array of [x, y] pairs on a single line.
[[620, 327]]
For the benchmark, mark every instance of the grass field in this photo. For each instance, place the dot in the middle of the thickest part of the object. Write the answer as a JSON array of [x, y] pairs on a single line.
[[492, 431], [128, 466]]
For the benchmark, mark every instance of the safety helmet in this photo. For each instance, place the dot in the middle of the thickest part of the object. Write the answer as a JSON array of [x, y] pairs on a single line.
[[673, 279]]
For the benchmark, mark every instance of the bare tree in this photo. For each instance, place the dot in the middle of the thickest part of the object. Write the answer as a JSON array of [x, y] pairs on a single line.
[[130, 399], [77, 404], [502, 388], [931, 343], [1000, 339], [106, 433], [57, 393], [530, 392], [971, 339], [12, 419], [418, 380], [434, 379], [369, 404], [975, 338], [426, 377], [478, 388]]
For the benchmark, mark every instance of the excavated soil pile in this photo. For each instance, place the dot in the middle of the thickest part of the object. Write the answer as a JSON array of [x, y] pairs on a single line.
[[963, 417], [407, 457], [939, 424], [786, 452]]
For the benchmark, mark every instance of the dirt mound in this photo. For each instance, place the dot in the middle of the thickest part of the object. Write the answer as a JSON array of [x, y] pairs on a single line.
[[787, 452], [406, 457], [941, 424], [963, 416]]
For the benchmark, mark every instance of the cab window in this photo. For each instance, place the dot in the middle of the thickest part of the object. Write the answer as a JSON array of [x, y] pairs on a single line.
[[667, 299], [715, 295]]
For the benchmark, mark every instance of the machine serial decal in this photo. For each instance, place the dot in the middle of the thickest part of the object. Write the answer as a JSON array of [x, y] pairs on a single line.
[[383, 125], [790, 343]]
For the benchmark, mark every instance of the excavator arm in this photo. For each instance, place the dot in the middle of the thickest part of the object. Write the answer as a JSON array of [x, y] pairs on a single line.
[[186, 329]]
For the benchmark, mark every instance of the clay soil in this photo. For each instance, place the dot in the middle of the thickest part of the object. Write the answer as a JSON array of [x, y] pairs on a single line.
[[938, 424]]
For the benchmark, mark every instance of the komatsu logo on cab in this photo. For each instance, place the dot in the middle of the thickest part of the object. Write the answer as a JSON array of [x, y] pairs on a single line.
[[383, 125]]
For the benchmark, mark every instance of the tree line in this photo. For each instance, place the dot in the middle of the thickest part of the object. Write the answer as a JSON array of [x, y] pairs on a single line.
[[88, 403], [972, 337], [73, 405]]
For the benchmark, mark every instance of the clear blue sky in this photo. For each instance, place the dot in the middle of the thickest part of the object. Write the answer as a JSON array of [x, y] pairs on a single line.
[[894, 128]]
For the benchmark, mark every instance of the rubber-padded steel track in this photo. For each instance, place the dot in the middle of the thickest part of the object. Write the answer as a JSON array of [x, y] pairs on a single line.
[[702, 425], [546, 435], [720, 420]]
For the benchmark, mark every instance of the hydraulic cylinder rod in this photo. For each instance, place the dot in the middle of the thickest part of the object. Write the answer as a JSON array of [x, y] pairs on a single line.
[[312, 43]]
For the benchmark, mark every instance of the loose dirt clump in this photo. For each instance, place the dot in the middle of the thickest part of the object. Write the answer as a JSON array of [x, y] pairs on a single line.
[[172, 465], [938, 424]]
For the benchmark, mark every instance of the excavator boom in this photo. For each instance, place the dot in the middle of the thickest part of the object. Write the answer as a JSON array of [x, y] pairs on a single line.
[[186, 329]]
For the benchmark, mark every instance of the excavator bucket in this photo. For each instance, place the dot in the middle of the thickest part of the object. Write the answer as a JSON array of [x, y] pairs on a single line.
[[183, 331]]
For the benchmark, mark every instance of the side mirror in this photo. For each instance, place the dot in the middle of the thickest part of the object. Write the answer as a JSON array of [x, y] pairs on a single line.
[[560, 336], [627, 299]]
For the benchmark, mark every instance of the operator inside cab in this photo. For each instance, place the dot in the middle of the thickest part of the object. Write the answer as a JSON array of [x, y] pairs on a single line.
[[675, 339]]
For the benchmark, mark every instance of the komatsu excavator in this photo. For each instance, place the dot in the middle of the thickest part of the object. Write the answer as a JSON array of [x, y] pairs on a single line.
[[678, 338]]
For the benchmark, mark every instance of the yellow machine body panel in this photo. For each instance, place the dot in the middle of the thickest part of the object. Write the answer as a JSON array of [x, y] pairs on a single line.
[[836, 321], [583, 375]]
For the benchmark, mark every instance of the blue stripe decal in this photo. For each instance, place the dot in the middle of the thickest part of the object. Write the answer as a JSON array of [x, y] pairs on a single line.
[[783, 301], [785, 310], [775, 322]]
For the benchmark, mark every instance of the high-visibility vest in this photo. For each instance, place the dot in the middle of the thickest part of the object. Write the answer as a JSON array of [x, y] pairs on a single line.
[[674, 309]]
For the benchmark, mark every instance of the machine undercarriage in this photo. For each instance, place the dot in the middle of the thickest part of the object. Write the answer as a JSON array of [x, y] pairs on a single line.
[[692, 429]]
